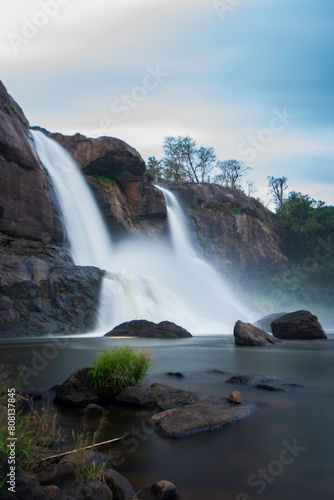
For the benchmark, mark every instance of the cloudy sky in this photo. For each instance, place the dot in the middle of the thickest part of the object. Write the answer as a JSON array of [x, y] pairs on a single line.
[[252, 78]]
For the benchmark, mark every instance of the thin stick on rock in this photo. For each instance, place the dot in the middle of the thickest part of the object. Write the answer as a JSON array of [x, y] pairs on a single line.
[[85, 448]]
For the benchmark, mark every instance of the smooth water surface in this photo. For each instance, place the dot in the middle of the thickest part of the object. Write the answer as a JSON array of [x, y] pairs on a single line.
[[223, 464]]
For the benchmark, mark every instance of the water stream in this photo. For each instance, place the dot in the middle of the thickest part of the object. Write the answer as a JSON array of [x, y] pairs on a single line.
[[145, 279]]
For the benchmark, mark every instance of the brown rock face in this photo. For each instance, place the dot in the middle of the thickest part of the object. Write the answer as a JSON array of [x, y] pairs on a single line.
[[249, 335], [229, 228], [116, 173], [26, 208], [235, 397]]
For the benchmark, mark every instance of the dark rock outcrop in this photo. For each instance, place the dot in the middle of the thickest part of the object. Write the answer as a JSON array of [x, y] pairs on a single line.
[[43, 295], [299, 325], [148, 329], [273, 388], [77, 390], [251, 379], [164, 490], [247, 334], [158, 396], [265, 322], [231, 229], [119, 485], [183, 412], [91, 490]]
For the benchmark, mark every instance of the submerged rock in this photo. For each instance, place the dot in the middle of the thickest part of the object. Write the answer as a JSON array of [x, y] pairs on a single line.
[[299, 325], [251, 379], [247, 334], [144, 328], [268, 387]]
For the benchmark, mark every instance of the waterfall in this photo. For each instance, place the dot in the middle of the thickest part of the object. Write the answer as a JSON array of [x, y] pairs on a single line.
[[144, 279]]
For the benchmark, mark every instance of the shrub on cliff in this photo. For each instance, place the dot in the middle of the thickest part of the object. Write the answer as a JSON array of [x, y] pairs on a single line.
[[114, 369]]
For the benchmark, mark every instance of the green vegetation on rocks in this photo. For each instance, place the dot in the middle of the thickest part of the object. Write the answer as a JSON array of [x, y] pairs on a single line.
[[114, 369]]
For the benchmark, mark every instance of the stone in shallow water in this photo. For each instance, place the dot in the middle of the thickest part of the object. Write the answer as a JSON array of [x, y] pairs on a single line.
[[164, 490], [199, 417], [246, 334], [268, 387], [299, 325], [235, 397], [77, 390], [144, 328], [158, 396], [251, 379]]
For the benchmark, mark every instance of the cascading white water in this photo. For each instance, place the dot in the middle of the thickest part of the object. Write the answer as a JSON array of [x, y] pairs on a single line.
[[89, 240], [145, 279]]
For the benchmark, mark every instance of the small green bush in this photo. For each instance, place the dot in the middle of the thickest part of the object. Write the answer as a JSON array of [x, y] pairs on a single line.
[[106, 180], [23, 121], [8, 110], [114, 369]]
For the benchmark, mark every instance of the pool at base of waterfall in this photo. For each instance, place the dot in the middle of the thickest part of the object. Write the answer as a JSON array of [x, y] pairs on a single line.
[[283, 451]]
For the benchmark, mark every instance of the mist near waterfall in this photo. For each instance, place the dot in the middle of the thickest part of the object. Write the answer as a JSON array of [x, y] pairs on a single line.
[[145, 278]]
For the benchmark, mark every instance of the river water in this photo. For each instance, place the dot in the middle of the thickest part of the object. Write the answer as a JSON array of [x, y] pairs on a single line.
[[226, 463]]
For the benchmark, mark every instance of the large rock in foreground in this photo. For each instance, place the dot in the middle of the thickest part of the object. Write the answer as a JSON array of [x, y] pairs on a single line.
[[148, 329], [184, 412], [299, 325], [247, 334], [199, 417]]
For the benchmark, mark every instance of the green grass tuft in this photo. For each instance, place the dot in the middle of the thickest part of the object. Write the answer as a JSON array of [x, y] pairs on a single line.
[[119, 367]]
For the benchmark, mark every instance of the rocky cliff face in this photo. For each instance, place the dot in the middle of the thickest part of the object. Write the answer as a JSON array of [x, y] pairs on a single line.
[[116, 173], [41, 290], [229, 228]]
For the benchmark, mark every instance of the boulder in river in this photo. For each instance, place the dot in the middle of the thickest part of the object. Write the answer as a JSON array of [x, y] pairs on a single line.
[[247, 334], [148, 329], [200, 417], [299, 325], [77, 390]]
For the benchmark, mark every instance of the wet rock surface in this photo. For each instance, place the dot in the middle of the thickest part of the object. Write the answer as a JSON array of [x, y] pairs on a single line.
[[204, 416], [143, 328], [246, 334], [251, 379], [40, 295], [299, 325], [77, 390]]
